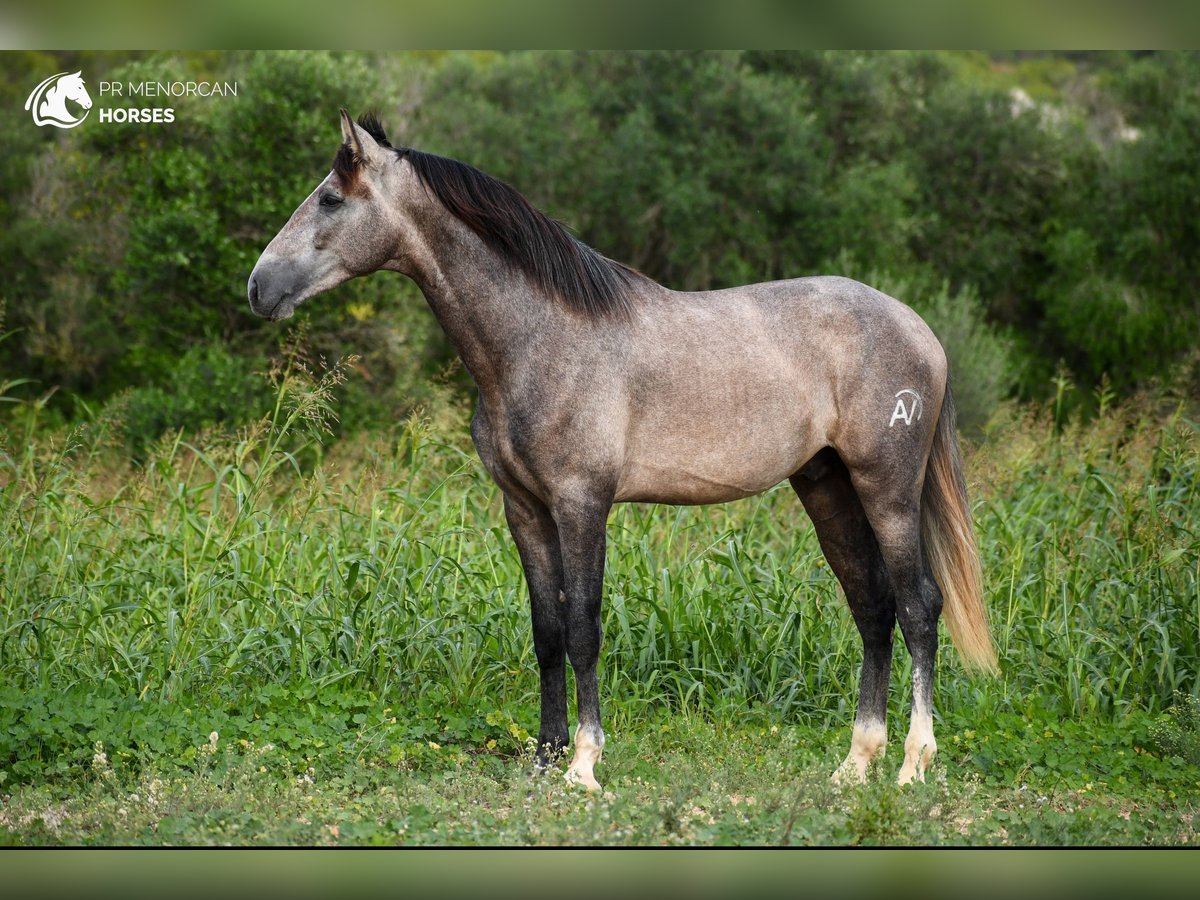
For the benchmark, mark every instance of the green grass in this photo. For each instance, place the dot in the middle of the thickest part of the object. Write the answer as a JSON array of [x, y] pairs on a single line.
[[282, 591], [729, 784]]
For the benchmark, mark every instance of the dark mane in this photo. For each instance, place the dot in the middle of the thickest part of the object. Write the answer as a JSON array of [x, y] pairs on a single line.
[[369, 122], [541, 247]]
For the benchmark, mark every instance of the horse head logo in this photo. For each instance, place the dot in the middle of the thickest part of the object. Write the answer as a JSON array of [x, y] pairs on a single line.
[[48, 101]]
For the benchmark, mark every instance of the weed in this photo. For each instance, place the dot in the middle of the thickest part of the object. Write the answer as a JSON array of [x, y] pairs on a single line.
[[1177, 731]]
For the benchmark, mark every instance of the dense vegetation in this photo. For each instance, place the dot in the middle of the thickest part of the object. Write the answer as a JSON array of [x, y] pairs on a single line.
[[240, 567], [1040, 210]]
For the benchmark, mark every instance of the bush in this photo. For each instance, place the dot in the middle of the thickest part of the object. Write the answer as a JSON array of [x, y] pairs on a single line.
[[157, 229], [717, 181], [209, 386], [1177, 731]]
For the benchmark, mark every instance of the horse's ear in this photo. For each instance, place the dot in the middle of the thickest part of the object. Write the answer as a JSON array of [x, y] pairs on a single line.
[[77, 74], [359, 141], [350, 138]]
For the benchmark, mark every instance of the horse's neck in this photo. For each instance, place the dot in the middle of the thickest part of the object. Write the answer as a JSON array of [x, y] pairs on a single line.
[[489, 310], [54, 103]]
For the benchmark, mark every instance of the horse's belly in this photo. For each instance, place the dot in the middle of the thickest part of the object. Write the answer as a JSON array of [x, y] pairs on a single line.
[[711, 467], [682, 488]]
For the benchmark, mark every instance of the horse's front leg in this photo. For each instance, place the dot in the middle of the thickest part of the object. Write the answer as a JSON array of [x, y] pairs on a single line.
[[536, 537], [581, 524]]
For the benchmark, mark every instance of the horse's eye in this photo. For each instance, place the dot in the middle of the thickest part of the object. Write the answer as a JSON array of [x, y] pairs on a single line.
[[328, 200]]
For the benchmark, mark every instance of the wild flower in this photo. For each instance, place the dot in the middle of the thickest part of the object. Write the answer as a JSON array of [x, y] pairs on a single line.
[[100, 764]]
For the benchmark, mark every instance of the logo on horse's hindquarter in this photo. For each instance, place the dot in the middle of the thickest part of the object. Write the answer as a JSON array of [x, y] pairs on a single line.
[[906, 413]]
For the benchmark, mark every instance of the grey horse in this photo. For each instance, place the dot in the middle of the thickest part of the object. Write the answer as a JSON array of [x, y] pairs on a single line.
[[598, 385]]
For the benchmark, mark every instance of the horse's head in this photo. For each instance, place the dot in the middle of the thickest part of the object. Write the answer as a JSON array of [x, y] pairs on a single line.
[[72, 88], [350, 225]]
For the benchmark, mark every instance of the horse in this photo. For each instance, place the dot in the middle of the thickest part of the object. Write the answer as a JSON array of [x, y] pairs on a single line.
[[48, 101], [597, 385]]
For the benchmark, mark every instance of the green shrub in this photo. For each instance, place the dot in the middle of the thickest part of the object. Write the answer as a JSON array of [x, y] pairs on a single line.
[[1177, 731], [209, 386]]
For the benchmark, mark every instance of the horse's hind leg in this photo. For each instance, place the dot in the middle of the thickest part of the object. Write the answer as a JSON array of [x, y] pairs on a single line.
[[849, 545], [892, 504]]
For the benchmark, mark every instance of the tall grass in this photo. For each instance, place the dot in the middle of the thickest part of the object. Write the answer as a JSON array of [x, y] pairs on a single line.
[[382, 561], [1092, 547]]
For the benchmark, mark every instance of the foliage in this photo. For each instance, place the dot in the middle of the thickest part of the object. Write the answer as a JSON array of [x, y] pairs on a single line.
[[322, 726], [1058, 190], [1177, 732], [131, 259], [210, 386], [654, 176]]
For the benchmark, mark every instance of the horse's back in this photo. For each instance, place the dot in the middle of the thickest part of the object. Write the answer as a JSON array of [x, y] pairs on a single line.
[[835, 329], [819, 307]]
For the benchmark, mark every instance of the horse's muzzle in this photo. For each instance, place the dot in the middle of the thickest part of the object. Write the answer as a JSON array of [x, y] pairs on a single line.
[[273, 304]]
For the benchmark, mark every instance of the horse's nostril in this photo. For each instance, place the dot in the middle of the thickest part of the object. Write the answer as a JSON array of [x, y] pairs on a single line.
[[252, 291]]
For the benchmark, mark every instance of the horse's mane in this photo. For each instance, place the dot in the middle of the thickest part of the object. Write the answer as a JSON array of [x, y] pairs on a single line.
[[541, 247]]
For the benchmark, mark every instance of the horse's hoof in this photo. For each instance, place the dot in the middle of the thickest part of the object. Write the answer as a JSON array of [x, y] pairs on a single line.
[[908, 775], [589, 746], [575, 777], [853, 770], [917, 758]]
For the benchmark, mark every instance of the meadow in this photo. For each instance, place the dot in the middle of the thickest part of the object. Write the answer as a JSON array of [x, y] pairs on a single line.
[[266, 635]]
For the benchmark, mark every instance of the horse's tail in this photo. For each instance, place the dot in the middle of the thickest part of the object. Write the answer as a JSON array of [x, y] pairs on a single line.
[[949, 541]]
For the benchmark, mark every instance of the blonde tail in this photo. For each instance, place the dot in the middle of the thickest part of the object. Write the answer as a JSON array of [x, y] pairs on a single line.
[[949, 541]]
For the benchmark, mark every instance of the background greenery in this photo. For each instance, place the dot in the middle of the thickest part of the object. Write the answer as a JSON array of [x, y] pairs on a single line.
[[1039, 209], [282, 535]]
